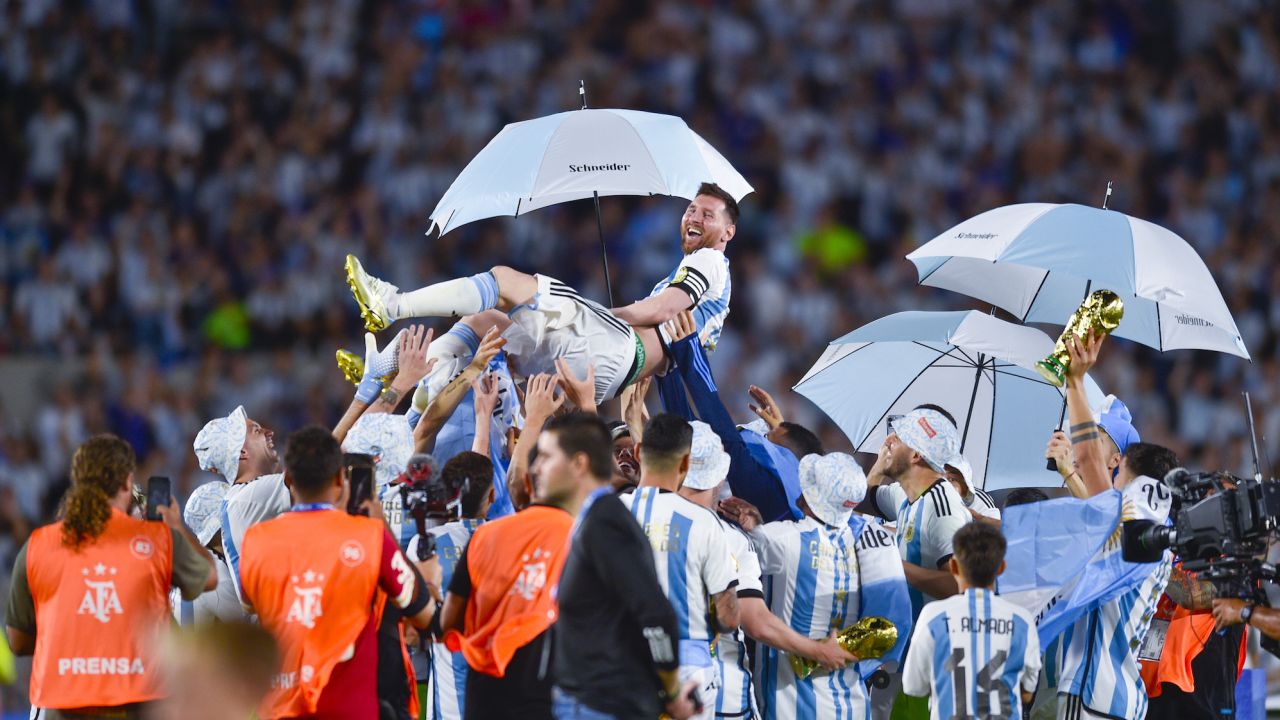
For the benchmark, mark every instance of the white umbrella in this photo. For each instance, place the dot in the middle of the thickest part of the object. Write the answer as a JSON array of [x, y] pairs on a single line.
[[583, 154], [979, 368], [1039, 261]]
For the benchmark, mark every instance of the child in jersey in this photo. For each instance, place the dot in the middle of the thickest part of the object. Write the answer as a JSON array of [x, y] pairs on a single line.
[[974, 655]]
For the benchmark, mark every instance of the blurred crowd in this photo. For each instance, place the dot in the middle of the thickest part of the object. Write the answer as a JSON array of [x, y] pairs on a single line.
[[179, 182]]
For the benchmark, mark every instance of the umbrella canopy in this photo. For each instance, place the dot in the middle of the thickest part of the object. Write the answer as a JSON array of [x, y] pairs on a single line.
[[977, 367], [1039, 261], [579, 154]]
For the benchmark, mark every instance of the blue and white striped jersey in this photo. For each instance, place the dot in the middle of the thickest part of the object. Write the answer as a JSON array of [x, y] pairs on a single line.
[[973, 654], [924, 527], [814, 580], [690, 554], [1099, 655], [736, 698], [448, 670], [704, 275]]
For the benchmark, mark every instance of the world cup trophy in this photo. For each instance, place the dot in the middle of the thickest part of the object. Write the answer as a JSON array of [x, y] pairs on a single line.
[[1101, 313], [869, 638]]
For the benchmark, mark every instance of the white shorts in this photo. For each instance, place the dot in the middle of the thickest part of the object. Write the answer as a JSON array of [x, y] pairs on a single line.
[[560, 323], [708, 687]]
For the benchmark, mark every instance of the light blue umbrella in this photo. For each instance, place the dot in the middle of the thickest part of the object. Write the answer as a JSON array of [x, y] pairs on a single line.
[[1039, 261], [977, 367]]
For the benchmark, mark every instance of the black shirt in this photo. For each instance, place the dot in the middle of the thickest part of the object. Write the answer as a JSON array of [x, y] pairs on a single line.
[[616, 628]]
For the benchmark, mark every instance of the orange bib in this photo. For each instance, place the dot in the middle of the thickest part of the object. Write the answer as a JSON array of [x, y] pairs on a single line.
[[100, 613], [1184, 640], [311, 576], [514, 562]]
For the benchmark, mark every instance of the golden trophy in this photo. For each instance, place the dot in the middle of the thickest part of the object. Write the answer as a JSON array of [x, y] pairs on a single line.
[[1101, 313], [869, 638]]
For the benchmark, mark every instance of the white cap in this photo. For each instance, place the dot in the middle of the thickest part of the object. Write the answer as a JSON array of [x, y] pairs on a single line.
[[708, 462], [931, 434], [832, 486], [387, 438], [959, 462], [203, 511], [219, 442]]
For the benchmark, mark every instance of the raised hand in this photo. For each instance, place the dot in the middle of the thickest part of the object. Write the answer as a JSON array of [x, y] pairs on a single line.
[[765, 407], [581, 391], [634, 412], [1084, 355], [681, 326], [486, 394], [414, 364], [541, 398], [490, 344]]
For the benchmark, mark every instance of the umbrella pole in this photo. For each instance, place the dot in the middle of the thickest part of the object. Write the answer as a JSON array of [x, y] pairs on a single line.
[[977, 378], [604, 253]]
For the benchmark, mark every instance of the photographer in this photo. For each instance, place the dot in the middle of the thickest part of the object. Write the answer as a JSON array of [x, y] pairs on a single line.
[[90, 593], [468, 480], [1196, 671], [312, 575]]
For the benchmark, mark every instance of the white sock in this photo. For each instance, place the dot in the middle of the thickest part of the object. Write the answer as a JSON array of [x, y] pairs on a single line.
[[451, 298]]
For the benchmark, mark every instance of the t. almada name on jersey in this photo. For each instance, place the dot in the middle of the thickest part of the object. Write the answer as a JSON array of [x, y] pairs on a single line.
[[991, 626]]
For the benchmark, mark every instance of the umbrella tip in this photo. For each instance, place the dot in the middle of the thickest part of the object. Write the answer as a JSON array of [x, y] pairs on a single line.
[[1106, 197]]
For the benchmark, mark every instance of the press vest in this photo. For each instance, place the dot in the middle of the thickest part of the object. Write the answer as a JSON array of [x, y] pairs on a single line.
[[312, 577], [514, 562], [99, 612]]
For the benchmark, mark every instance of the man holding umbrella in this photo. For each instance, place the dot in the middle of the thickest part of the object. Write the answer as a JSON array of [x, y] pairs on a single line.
[[544, 320]]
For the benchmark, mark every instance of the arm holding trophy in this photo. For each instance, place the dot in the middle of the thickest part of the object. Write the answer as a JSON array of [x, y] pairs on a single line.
[[1073, 355]]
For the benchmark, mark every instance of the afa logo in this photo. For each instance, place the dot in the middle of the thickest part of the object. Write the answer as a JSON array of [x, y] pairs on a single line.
[[306, 607], [101, 600], [533, 574]]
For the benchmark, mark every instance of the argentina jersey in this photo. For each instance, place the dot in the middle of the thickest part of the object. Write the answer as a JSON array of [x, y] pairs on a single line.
[[690, 554], [973, 655], [736, 698], [924, 527], [400, 523], [449, 670], [1099, 655], [812, 582], [704, 275]]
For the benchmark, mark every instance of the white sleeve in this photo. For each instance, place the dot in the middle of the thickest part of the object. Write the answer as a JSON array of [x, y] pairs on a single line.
[[938, 530], [889, 499], [772, 546], [260, 499], [1031, 663], [747, 562], [917, 669], [702, 273], [878, 556], [718, 567]]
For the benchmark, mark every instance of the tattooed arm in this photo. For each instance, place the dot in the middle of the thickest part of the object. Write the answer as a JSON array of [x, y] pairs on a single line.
[[1086, 439], [1188, 592]]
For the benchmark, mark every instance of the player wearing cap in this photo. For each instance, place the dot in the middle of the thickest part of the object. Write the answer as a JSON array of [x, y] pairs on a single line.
[[823, 573], [243, 452], [689, 550], [974, 654], [544, 320], [927, 509]]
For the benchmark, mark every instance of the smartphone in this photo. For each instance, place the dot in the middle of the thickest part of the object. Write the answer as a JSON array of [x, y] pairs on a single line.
[[888, 424], [158, 489], [359, 468]]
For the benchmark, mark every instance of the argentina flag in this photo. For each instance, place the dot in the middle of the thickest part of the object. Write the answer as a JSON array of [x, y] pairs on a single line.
[[1064, 559]]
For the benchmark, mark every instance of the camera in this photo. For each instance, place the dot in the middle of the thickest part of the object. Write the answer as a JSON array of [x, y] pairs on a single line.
[[1221, 528], [426, 494]]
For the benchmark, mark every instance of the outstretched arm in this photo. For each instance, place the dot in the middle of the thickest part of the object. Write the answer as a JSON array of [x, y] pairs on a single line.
[[1086, 440], [443, 405], [657, 309]]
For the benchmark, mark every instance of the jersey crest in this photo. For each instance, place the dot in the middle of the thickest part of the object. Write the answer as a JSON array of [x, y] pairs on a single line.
[[100, 597]]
